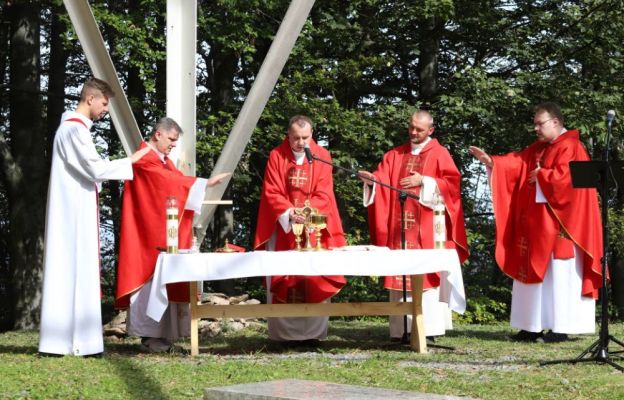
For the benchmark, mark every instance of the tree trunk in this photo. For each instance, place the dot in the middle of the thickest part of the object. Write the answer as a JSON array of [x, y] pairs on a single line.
[[4, 49], [136, 89], [24, 165], [616, 269], [6, 319], [616, 259], [56, 78], [160, 96], [428, 61], [223, 65]]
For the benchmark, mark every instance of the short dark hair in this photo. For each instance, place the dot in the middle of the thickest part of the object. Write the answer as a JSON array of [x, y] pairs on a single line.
[[93, 85], [301, 121], [551, 108], [166, 124]]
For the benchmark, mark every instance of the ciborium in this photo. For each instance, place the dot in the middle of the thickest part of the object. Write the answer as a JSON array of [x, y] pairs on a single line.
[[306, 211]]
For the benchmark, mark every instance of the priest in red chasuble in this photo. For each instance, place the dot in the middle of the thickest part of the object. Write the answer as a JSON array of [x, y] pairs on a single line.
[[143, 222], [425, 168], [548, 234], [289, 181]]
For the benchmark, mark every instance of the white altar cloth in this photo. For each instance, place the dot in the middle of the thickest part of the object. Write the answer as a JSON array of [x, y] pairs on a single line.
[[171, 268]]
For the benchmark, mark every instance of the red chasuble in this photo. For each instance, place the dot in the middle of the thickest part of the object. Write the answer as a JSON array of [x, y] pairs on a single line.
[[287, 185], [384, 215], [527, 232], [143, 221]]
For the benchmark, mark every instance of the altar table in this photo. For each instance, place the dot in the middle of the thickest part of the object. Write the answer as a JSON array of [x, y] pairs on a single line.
[[355, 261]]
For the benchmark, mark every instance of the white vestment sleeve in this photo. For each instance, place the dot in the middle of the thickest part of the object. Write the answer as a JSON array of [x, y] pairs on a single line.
[[539, 195], [429, 192], [368, 197], [196, 195], [80, 153], [284, 220]]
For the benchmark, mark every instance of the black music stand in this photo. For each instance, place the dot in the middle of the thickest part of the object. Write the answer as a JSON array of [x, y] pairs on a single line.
[[595, 174]]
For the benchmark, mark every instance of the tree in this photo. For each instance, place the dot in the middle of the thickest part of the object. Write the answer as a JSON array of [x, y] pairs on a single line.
[[23, 158]]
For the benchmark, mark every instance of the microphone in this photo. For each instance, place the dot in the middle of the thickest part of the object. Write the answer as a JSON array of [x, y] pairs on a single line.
[[308, 153], [610, 118]]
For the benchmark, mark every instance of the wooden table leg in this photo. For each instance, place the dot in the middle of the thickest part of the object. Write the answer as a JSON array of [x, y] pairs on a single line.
[[194, 320], [418, 339]]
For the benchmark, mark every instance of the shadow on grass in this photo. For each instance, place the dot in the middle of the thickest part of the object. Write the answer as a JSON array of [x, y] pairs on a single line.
[[343, 338], [125, 358], [494, 334], [26, 349], [139, 384]]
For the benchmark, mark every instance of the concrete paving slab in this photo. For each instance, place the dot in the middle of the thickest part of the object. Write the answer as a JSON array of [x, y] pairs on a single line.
[[296, 389]]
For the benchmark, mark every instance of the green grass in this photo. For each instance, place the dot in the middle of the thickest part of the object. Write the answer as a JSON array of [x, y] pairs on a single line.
[[484, 364]]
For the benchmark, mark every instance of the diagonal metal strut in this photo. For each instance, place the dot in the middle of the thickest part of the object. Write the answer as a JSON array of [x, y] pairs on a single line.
[[256, 101]]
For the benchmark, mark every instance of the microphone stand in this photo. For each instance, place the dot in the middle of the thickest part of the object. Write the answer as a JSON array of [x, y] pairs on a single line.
[[403, 195], [600, 348]]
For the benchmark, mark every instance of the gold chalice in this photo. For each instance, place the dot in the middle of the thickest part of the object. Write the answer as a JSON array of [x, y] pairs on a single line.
[[309, 230], [298, 230], [319, 221]]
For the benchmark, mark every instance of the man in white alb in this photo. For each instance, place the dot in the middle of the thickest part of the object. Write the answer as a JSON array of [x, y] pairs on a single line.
[[71, 319]]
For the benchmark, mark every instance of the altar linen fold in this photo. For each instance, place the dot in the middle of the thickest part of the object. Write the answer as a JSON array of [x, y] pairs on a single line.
[[215, 266]]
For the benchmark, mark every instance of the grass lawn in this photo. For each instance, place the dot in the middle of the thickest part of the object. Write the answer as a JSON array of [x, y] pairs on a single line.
[[484, 364]]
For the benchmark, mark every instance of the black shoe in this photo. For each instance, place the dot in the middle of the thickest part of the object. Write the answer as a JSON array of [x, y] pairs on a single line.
[[552, 337], [402, 339], [155, 345], [526, 336], [310, 343], [430, 339], [298, 344]]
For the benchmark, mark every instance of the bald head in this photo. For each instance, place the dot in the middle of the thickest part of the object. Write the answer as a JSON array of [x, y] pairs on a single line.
[[424, 115], [420, 127]]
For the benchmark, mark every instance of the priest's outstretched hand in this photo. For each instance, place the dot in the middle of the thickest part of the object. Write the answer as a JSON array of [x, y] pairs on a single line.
[[481, 155], [218, 179], [366, 177]]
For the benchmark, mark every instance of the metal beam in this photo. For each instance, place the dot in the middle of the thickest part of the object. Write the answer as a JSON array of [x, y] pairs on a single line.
[[257, 99], [181, 78], [102, 67]]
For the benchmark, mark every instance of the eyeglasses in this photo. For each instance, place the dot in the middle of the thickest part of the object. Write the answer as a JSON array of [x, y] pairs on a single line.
[[540, 124]]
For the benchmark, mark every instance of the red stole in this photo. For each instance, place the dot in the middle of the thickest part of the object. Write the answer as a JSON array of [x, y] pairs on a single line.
[[288, 185], [79, 121], [384, 214], [143, 221], [527, 232]]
